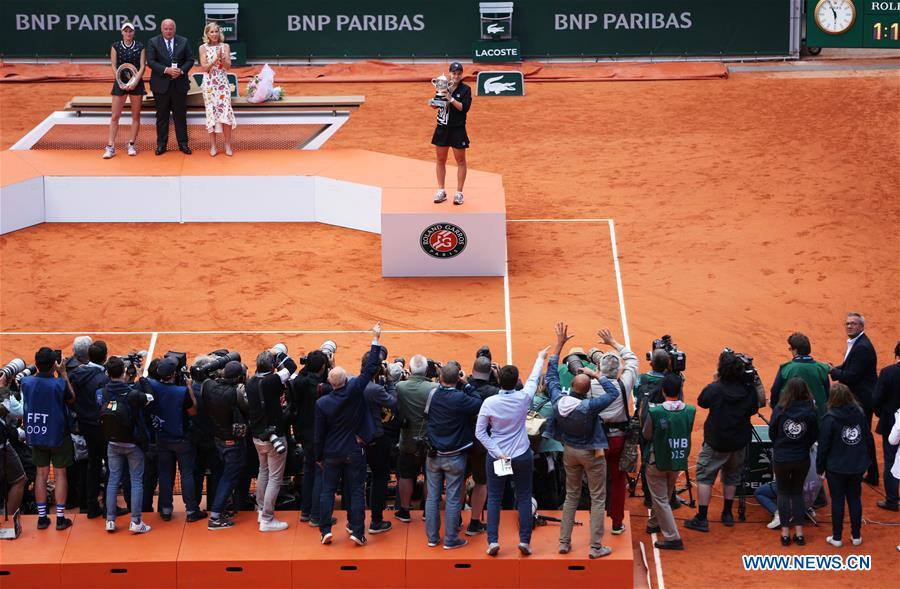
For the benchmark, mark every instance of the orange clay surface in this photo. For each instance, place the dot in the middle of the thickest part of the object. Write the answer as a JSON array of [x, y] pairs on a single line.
[[744, 209]]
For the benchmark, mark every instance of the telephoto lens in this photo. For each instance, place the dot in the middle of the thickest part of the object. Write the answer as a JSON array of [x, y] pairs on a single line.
[[15, 366], [278, 443]]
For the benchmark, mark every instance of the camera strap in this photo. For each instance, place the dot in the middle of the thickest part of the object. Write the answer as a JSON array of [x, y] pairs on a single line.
[[427, 409]]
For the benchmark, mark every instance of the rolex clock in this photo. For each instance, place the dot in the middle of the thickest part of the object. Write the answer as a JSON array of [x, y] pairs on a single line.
[[834, 17]]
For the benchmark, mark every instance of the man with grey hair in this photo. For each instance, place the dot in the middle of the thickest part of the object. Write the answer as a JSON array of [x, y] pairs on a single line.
[[412, 394], [344, 426], [615, 418], [859, 371], [170, 58]]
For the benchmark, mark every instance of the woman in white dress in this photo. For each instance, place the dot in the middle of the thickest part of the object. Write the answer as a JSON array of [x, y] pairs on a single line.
[[215, 57]]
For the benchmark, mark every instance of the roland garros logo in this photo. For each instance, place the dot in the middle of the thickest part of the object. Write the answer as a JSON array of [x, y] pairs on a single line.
[[443, 240]]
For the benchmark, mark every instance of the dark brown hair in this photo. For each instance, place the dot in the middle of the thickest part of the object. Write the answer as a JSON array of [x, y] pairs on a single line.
[[840, 396], [795, 390]]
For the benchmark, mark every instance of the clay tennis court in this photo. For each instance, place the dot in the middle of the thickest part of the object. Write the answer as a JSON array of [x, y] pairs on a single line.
[[744, 208]]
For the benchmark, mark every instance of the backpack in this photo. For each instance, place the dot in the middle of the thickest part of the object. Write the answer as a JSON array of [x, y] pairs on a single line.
[[116, 421], [648, 392]]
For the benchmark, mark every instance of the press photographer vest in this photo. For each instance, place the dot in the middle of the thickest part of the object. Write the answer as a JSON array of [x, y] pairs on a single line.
[[170, 411], [45, 411], [815, 375], [672, 449]]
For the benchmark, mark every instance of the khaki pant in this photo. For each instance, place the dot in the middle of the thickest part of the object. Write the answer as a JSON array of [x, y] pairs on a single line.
[[577, 464], [662, 483]]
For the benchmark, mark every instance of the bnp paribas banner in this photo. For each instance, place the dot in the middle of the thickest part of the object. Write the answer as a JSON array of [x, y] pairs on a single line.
[[300, 29]]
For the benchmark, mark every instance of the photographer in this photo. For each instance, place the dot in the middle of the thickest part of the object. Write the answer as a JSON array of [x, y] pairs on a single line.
[[175, 405], [450, 434], [381, 396], [343, 425], [484, 374], [203, 438], [575, 423], [310, 384], [269, 429], [124, 426], [86, 380], [47, 431], [411, 397], [668, 429], [220, 403], [12, 474], [731, 400]]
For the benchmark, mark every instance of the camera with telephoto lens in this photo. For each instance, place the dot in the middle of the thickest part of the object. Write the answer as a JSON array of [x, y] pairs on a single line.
[[219, 359], [284, 364], [434, 368], [750, 375], [133, 362], [181, 372], [15, 371], [677, 359], [277, 442]]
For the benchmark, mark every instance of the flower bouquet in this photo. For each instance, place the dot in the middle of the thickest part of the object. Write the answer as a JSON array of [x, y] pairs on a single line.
[[262, 87]]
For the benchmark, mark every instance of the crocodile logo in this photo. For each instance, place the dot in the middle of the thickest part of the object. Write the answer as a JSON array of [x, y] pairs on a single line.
[[495, 28], [495, 86]]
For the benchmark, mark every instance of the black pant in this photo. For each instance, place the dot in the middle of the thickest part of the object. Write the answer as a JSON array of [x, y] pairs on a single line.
[[96, 447], [849, 487], [378, 455], [176, 102], [207, 459], [789, 478], [872, 473]]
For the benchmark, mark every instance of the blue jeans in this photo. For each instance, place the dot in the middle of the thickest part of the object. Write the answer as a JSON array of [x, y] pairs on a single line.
[[891, 484], [522, 466], [352, 469], [184, 453], [312, 485], [767, 496], [453, 468], [116, 457], [232, 457]]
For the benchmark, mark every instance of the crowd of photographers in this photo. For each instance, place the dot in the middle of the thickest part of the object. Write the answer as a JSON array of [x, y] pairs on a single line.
[[577, 432]]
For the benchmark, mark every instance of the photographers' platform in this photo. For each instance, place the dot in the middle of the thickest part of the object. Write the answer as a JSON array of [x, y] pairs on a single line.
[[188, 556], [352, 188]]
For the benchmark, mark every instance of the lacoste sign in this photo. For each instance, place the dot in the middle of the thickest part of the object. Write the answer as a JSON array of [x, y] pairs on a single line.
[[496, 51], [501, 84]]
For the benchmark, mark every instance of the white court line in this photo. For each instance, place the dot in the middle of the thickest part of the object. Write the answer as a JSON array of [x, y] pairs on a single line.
[[506, 313], [250, 332], [150, 350], [557, 220], [658, 558], [621, 292]]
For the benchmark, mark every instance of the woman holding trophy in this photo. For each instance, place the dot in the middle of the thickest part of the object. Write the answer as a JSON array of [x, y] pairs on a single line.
[[452, 101], [128, 59], [215, 56]]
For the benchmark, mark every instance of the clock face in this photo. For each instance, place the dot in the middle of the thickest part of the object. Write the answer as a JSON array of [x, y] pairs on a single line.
[[835, 16]]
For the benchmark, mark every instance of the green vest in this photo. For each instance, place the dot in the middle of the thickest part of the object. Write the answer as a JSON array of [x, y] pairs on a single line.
[[815, 375], [672, 436]]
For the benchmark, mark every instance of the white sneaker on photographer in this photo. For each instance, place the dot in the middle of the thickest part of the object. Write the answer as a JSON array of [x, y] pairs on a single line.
[[273, 526], [775, 523], [132, 150], [138, 528]]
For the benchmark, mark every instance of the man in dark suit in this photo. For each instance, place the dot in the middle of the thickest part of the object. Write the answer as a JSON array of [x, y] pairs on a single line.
[[170, 59], [859, 372], [886, 401]]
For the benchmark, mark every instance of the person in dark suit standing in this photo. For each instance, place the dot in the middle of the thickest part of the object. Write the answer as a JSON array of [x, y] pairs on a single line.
[[859, 371], [170, 59], [886, 402]]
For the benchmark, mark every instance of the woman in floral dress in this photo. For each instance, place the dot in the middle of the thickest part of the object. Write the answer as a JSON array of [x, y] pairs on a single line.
[[215, 56]]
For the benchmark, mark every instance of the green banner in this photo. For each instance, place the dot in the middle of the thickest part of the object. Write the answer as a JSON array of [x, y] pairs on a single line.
[[410, 28], [500, 84]]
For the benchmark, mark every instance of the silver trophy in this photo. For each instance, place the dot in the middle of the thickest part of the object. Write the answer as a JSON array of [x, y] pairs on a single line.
[[441, 91], [125, 76]]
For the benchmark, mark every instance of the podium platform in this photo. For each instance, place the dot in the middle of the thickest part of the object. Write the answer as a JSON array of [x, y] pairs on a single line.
[[352, 188], [178, 555]]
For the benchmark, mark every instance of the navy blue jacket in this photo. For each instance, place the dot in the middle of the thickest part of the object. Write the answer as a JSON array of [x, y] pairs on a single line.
[[137, 400], [343, 415], [378, 396], [859, 371], [86, 379], [793, 431], [843, 442], [887, 398], [581, 427], [46, 417], [170, 408], [449, 422]]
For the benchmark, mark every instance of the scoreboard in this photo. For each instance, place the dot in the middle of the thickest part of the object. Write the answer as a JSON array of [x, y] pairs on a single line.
[[871, 24]]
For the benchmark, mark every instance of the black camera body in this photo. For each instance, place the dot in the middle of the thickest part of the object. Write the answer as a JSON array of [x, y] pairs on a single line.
[[750, 375], [677, 358], [434, 369], [181, 372]]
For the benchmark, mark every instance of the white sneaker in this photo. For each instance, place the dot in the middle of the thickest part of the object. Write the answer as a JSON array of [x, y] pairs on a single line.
[[259, 516], [132, 151], [856, 541], [272, 526], [458, 199], [108, 152], [110, 525], [138, 528], [833, 542], [440, 196], [775, 523]]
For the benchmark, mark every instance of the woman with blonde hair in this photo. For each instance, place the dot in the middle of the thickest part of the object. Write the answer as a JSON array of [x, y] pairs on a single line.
[[131, 52], [215, 57]]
